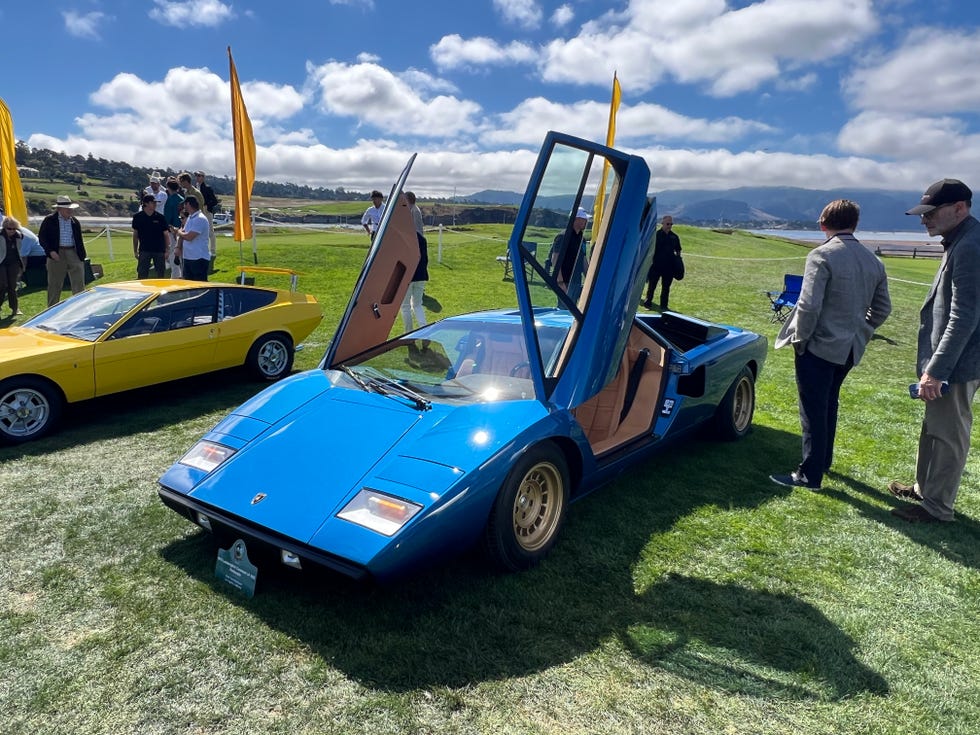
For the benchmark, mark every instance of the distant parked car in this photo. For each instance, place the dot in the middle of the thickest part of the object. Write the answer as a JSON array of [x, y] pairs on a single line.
[[482, 427], [136, 333]]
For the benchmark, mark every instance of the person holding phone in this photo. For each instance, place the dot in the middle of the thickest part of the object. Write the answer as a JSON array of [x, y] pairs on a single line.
[[948, 353]]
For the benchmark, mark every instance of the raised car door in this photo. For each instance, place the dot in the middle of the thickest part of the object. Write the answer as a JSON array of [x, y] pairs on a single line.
[[387, 272], [592, 269]]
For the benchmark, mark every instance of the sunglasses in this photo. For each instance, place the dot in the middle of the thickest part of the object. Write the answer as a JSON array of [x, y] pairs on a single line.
[[933, 212]]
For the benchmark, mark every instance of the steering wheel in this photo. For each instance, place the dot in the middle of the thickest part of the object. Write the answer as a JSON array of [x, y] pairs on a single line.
[[518, 367]]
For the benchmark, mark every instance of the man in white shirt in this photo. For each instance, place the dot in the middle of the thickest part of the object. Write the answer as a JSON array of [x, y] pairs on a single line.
[[192, 241], [372, 216]]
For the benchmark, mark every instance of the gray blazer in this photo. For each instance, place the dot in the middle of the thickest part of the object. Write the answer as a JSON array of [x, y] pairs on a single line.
[[949, 322], [843, 300]]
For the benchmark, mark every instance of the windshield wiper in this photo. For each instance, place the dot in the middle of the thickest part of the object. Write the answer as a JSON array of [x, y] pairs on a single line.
[[356, 378], [387, 386]]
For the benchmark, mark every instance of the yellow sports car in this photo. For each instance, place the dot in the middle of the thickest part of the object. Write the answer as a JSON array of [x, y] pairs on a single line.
[[127, 335]]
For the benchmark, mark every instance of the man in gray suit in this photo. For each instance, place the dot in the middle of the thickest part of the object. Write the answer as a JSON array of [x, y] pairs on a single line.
[[843, 300], [948, 353]]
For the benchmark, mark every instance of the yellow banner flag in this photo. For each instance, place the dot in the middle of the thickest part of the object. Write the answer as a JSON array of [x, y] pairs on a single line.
[[244, 157], [610, 141], [13, 194]]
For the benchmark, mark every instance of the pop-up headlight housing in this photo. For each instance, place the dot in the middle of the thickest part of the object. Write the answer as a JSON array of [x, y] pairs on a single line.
[[207, 456], [385, 514]]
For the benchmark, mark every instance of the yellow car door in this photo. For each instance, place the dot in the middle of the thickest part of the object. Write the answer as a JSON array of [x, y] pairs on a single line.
[[172, 337]]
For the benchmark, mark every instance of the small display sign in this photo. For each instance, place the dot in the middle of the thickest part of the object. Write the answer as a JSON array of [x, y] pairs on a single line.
[[234, 568]]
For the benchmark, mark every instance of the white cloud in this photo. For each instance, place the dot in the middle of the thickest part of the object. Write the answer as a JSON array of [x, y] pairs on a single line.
[[198, 12], [562, 16], [195, 97], [706, 41], [933, 71], [530, 120], [454, 51], [84, 25], [391, 103], [523, 13]]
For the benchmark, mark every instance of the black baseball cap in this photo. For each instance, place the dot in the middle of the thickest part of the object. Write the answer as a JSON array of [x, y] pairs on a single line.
[[942, 192]]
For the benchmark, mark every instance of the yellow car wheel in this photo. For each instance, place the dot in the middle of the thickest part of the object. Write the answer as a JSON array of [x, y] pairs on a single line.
[[271, 357], [29, 409]]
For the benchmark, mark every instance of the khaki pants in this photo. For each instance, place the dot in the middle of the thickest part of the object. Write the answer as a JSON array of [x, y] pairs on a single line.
[[944, 445], [68, 262]]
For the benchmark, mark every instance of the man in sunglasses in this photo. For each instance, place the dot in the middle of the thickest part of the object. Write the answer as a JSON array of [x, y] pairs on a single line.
[[948, 355]]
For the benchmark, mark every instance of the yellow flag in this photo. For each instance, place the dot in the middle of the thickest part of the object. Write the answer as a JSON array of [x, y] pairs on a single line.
[[13, 194], [244, 157], [610, 141]]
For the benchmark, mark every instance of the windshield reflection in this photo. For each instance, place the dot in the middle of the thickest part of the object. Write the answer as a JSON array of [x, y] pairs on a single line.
[[88, 315], [457, 360]]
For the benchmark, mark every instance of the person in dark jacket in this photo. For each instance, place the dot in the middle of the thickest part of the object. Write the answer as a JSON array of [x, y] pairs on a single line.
[[665, 252], [416, 289], [948, 355], [61, 237]]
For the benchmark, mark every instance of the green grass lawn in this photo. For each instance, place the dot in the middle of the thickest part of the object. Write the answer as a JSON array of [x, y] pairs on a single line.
[[691, 595]]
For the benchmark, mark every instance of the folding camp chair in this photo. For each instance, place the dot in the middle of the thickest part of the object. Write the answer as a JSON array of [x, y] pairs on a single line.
[[782, 302]]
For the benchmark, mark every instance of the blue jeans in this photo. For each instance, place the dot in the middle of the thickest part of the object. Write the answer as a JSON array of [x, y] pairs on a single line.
[[818, 383]]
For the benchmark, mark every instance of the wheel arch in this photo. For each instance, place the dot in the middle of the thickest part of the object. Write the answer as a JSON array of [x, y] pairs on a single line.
[[54, 384]]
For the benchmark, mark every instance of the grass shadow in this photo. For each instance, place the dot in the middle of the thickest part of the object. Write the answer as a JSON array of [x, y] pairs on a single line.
[[959, 542], [749, 642], [141, 410], [458, 624]]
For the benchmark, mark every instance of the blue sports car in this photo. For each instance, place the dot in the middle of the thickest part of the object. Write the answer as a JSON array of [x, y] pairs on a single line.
[[482, 427]]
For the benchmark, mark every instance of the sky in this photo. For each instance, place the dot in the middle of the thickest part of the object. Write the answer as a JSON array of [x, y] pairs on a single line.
[[820, 94]]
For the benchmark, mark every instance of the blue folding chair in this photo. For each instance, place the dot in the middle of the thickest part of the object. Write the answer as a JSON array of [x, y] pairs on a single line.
[[782, 302]]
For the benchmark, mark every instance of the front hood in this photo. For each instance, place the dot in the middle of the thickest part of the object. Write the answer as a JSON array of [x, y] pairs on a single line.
[[309, 462], [19, 342]]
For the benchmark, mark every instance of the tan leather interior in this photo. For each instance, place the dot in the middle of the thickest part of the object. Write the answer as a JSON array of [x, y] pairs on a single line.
[[502, 355], [600, 415]]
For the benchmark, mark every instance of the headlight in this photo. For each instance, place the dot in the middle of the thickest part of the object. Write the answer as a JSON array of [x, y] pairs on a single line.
[[385, 514], [207, 455]]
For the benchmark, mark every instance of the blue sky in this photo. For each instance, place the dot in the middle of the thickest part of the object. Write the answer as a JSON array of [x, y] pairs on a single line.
[[812, 93]]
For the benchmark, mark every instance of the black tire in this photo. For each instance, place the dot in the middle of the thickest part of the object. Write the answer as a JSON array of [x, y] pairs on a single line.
[[733, 419], [529, 510], [271, 357], [29, 409]]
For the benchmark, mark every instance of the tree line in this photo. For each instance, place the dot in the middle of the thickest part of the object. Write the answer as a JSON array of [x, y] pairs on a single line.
[[80, 170]]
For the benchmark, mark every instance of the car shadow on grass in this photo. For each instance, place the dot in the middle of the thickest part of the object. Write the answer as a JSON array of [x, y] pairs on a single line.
[[141, 410], [959, 542], [457, 624]]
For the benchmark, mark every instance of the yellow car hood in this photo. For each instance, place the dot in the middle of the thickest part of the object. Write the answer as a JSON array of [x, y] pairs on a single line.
[[17, 343]]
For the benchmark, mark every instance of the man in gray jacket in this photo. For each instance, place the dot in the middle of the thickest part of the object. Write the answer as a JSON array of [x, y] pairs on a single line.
[[843, 300], [948, 353]]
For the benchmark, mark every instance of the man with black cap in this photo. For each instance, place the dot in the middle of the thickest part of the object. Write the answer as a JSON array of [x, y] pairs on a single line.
[[948, 355]]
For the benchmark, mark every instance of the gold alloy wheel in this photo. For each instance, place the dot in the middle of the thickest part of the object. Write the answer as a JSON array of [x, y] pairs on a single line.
[[538, 506], [743, 404]]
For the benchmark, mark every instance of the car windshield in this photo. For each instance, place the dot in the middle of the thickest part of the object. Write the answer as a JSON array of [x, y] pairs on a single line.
[[88, 315], [455, 360]]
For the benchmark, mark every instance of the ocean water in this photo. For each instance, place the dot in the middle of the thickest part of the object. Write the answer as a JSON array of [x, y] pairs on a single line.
[[920, 236]]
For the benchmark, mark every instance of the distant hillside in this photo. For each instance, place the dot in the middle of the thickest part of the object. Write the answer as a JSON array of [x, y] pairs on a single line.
[[758, 207]]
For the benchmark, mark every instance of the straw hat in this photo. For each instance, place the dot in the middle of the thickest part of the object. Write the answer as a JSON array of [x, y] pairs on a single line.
[[65, 202]]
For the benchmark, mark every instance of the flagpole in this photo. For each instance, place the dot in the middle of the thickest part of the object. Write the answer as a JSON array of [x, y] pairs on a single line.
[[244, 162], [610, 141], [13, 193]]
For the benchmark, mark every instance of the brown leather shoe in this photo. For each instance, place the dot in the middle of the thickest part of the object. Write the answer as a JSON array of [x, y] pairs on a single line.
[[901, 490], [915, 514]]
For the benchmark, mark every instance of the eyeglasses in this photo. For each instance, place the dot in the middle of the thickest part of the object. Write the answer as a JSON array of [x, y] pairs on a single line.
[[932, 212], [10, 229]]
